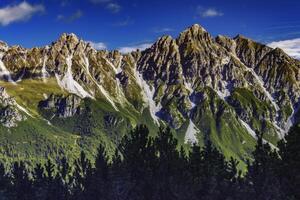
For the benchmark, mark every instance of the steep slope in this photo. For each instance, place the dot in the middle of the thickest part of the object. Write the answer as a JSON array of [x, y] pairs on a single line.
[[70, 96]]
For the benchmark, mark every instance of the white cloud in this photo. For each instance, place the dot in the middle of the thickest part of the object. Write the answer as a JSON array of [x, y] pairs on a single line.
[[110, 5], [208, 12], [68, 19], [19, 12], [163, 30], [126, 22], [129, 49], [98, 45], [291, 47], [113, 7]]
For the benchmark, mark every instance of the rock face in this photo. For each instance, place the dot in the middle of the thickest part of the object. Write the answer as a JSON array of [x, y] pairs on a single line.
[[62, 106], [220, 86], [9, 113]]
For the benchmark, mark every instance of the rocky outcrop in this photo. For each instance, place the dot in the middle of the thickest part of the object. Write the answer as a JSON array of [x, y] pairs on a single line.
[[9, 113], [62, 106]]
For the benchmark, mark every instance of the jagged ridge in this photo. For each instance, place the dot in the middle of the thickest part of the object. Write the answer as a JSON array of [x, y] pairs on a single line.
[[219, 86]]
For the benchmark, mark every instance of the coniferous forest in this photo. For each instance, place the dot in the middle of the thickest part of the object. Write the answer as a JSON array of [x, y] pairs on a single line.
[[147, 168]]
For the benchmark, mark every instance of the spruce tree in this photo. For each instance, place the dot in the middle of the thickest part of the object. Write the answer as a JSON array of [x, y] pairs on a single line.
[[139, 157], [4, 182], [40, 182], [82, 170], [289, 170], [99, 184], [262, 176], [22, 187], [168, 160]]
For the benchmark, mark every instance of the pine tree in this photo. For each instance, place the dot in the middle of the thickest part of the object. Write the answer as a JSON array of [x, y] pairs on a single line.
[[83, 169], [168, 160], [139, 156], [214, 170], [61, 181], [289, 170], [231, 188], [51, 185], [120, 177], [4, 182], [21, 185], [40, 182], [195, 169], [99, 185], [261, 174]]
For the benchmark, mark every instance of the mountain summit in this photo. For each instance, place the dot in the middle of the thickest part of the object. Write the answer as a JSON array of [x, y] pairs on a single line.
[[69, 96]]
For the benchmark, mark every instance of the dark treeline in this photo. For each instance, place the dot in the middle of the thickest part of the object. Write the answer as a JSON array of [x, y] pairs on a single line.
[[146, 168]]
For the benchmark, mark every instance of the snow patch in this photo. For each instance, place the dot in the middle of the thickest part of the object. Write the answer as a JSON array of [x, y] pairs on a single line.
[[223, 87], [102, 90], [191, 133], [189, 87], [280, 131], [291, 120], [261, 83], [253, 134], [45, 96], [4, 71], [117, 69], [45, 74], [23, 109], [68, 83], [148, 95], [223, 91], [223, 94], [248, 128], [112, 66]]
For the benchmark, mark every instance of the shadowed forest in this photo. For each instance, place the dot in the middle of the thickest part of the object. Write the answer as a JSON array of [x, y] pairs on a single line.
[[146, 168]]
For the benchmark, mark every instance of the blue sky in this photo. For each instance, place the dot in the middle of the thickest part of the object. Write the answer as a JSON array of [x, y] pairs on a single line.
[[130, 23]]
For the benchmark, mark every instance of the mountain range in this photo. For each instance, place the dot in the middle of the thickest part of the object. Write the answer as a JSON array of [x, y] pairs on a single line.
[[67, 96]]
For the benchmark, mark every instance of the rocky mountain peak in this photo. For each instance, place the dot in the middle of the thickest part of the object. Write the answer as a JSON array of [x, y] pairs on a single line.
[[3, 46], [196, 28], [228, 43], [68, 37], [241, 37], [249, 51], [66, 42], [195, 32], [164, 43]]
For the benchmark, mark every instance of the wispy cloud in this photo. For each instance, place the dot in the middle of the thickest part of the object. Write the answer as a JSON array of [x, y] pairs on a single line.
[[64, 3], [68, 19], [291, 47], [110, 5], [19, 12], [98, 45], [126, 22], [163, 30], [113, 7], [128, 49], [208, 12], [99, 1]]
